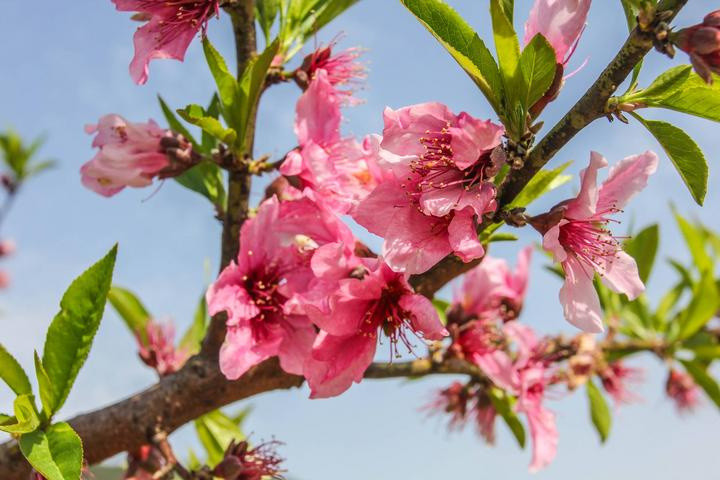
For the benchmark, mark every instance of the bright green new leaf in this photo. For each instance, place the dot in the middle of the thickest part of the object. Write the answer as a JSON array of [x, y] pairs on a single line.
[[250, 87], [47, 392], [693, 97], [643, 248], [196, 115], [174, 122], [56, 453], [192, 339], [503, 404], [131, 311], [26, 417], [507, 47], [663, 86], [215, 431], [502, 237], [543, 182], [209, 142], [537, 69], [695, 240], [266, 12], [703, 378], [73, 329], [226, 85], [599, 411], [465, 46], [684, 153], [702, 308], [206, 179], [13, 374], [441, 307]]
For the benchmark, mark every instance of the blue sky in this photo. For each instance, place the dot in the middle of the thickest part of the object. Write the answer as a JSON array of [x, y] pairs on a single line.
[[67, 66]]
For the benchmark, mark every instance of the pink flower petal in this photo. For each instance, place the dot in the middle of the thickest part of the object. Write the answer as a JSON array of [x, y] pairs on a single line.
[[337, 362], [240, 352], [426, 320], [584, 206], [463, 236], [620, 274], [579, 299], [626, 179], [561, 22]]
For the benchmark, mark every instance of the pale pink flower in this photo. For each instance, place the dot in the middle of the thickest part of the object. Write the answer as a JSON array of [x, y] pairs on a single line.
[[131, 155], [615, 379], [171, 26], [682, 389], [273, 264], [561, 22], [342, 70], [493, 291], [159, 351], [576, 233], [428, 209], [374, 302], [341, 170]]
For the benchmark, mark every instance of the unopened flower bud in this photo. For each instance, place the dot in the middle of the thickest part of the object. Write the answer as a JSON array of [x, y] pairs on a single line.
[[702, 43]]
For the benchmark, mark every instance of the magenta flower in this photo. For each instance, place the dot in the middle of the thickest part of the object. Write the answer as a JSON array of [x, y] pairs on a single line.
[[455, 401], [377, 301], [342, 70], [340, 170], [244, 463], [561, 22], [576, 233], [429, 207], [615, 379], [131, 155], [702, 43], [492, 291], [682, 389], [273, 265], [171, 26], [159, 352]]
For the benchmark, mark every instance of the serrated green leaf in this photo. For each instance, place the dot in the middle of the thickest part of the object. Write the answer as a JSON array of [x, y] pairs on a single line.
[[13, 374], [537, 68], [684, 153], [215, 431], [174, 123], [131, 310], [465, 46], [56, 453], [503, 404], [643, 248], [599, 411], [193, 338], [543, 182], [26, 418], [703, 378], [195, 114], [702, 308], [73, 329]]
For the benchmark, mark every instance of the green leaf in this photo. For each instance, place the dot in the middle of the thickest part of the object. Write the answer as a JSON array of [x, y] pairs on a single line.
[[503, 404], [47, 392], [663, 86], [226, 84], [73, 329], [461, 41], [508, 6], [502, 237], [507, 47], [13, 374], [599, 411], [208, 141], [441, 307], [684, 153], [643, 248], [174, 122], [195, 114], [695, 240], [26, 417], [705, 352], [703, 378], [206, 179], [537, 67], [131, 311], [56, 453], [702, 308], [215, 431], [266, 12], [693, 97], [543, 182], [193, 338]]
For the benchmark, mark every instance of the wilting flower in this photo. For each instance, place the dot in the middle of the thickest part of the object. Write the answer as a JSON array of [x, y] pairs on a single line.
[[428, 208], [576, 233], [341, 170], [131, 154], [702, 43], [376, 301], [241, 462], [615, 379], [455, 401], [159, 351], [683, 390], [171, 26], [342, 70], [273, 265], [561, 22], [491, 290]]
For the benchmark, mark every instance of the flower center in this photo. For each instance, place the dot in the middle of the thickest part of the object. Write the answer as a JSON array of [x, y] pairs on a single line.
[[590, 240], [385, 313], [263, 288], [188, 14]]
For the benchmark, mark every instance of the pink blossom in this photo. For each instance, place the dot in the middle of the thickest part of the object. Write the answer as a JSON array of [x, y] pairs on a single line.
[[171, 26], [485, 415], [341, 170], [702, 43], [455, 401], [615, 379], [244, 463], [682, 389], [342, 70], [576, 233], [159, 351], [429, 207], [131, 155], [491, 290], [357, 311], [561, 22], [273, 265]]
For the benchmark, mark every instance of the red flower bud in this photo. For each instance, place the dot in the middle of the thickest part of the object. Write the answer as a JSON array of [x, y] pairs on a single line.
[[702, 43]]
